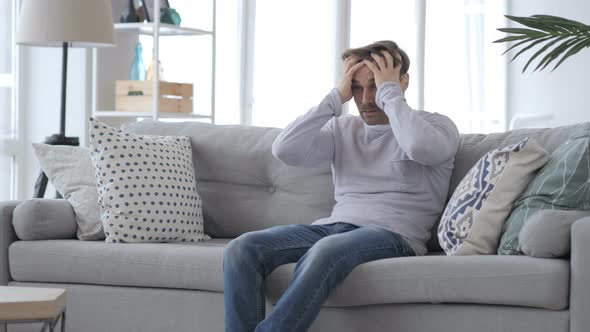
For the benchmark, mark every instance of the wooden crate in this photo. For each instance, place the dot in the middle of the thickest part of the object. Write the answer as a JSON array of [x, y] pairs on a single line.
[[137, 96]]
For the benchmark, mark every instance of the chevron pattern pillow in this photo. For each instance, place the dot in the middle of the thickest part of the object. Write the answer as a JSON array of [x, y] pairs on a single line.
[[472, 221]]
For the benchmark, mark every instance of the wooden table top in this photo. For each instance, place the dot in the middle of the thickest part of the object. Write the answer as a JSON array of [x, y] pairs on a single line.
[[24, 303]]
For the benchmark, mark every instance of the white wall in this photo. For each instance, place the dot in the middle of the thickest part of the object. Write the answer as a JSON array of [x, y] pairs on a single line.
[[563, 94]]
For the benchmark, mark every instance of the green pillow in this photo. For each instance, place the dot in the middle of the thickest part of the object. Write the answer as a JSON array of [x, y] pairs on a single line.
[[562, 184]]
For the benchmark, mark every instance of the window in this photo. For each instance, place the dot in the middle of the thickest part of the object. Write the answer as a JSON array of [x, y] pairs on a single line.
[[394, 20], [293, 59], [462, 79], [7, 103]]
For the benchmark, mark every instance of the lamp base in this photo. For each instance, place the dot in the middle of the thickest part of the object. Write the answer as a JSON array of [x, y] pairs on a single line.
[[56, 139]]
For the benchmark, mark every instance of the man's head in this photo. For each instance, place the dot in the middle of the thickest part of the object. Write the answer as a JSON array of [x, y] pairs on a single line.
[[363, 82]]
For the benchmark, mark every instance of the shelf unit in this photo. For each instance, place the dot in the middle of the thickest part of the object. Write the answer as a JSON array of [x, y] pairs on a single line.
[[107, 67]]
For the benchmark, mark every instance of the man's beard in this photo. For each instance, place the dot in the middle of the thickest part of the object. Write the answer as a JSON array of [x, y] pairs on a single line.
[[369, 107], [372, 114]]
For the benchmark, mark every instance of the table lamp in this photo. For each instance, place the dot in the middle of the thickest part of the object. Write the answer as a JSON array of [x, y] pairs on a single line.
[[64, 23]]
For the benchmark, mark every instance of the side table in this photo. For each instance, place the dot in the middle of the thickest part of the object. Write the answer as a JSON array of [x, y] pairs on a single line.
[[31, 304]]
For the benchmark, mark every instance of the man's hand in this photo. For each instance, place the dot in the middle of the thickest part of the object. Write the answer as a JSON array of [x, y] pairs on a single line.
[[351, 65], [383, 68]]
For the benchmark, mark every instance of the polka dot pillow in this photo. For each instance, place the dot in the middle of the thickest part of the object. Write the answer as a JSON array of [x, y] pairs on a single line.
[[146, 186]]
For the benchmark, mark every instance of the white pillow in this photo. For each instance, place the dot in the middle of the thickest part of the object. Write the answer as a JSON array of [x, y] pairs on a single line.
[[472, 221], [146, 186], [70, 170]]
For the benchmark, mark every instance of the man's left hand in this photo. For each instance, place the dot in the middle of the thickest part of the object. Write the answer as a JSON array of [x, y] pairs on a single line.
[[383, 68]]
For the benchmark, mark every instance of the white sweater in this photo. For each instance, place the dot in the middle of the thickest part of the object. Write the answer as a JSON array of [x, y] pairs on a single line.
[[394, 176]]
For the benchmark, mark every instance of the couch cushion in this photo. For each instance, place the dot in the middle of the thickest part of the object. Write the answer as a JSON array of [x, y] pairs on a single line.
[[44, 219], [501, 280], [243, 187], [163, 265], [504, 280]]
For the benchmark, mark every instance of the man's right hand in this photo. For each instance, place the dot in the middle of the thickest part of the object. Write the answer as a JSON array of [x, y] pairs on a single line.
[[351, 65]]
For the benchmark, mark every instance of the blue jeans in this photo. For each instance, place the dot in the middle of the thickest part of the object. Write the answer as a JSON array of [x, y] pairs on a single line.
[[325, 255]]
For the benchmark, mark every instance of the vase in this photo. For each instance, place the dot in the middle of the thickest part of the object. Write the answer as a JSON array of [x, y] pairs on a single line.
[[137, 71]]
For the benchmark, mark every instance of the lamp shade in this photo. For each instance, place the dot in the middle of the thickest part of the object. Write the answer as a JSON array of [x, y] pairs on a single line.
[[81, 23]]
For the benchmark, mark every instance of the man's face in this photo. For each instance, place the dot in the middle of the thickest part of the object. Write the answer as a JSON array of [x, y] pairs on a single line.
[[363, 92]]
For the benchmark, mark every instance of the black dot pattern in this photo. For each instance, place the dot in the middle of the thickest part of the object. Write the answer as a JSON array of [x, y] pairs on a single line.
[[146, 186]]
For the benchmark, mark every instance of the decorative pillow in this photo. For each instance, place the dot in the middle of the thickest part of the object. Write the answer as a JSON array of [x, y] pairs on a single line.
[[561, 185], [472, 221], [146, 186], [70, 170], [44, 219], [546, 234]]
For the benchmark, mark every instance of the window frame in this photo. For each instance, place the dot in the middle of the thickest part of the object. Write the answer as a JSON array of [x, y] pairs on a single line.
[[12, 145]]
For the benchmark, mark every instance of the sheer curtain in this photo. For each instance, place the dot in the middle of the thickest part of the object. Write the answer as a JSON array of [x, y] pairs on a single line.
[[374, 20], [293, 59], [7, 124], [464, 72]]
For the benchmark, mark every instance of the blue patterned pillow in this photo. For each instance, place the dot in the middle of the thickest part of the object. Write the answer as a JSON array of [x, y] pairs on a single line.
[[472, 221], [561, 185]]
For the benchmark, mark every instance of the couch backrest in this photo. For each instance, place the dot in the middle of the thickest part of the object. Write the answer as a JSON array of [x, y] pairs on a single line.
[[244, 188]]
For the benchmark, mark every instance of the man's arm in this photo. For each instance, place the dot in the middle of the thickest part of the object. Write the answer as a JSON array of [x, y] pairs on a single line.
[[308, 141], [427, 138]]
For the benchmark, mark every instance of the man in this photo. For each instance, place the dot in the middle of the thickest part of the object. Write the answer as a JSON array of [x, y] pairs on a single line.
[[391, 168]]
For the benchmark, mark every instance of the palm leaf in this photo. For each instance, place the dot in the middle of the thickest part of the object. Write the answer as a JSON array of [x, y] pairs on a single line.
[[572, 35], [539, 52], [518, 44], [524, 49], [521, 31], [559, 20], [555, 53], [510, 38], [573, 50], [532, 23]]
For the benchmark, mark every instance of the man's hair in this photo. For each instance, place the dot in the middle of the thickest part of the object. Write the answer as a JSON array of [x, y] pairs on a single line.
[[364, 53]]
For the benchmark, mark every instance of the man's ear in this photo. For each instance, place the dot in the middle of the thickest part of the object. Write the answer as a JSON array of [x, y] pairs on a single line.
[[404, 81]]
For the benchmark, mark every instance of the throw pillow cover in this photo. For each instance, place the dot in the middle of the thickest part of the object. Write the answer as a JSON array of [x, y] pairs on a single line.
[[472, 221], [561, 185], [146, 186], [70, 170]]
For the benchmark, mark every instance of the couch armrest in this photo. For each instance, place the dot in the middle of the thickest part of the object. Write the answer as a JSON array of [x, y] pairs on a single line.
[[7, 236], [580, 276]]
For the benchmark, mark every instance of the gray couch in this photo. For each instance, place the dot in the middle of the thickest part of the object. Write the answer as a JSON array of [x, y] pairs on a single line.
[[178, 287]]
